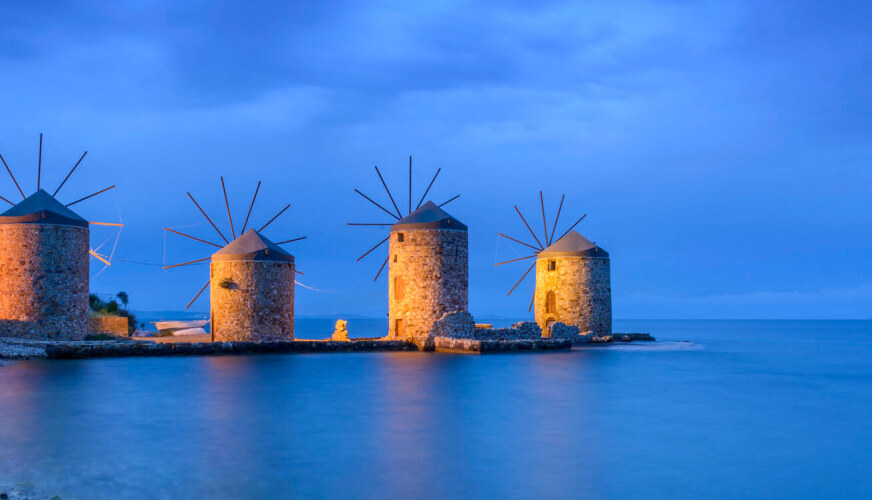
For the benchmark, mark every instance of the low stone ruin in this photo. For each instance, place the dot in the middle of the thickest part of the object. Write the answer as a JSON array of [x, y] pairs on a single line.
[[457, 331], [340, 331]]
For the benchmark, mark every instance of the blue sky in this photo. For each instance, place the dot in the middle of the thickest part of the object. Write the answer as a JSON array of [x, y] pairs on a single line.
[[720, 149]]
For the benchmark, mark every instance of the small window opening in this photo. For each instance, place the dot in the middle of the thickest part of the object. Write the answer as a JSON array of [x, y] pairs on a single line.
[[399, 288], [395, 257], [550, 303], [552, 265], [400, 237]]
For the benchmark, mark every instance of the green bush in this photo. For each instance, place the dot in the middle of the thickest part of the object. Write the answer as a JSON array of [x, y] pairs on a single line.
[[100, 307]]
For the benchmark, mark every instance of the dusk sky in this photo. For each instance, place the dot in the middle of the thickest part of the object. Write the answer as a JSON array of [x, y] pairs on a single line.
[[720, 149]]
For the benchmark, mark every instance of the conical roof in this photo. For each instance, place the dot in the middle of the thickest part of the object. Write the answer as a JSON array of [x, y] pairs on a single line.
[[573, 245], [252, 246], [42, 208], [429, 216]]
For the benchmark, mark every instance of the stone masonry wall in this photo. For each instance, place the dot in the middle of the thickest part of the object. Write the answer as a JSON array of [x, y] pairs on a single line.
[[524, 330], [432, 268], [252, 301], [115, 325], [43, 281], [582, 291]]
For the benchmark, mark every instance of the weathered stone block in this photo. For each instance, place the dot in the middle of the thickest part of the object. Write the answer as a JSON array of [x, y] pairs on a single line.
[[428, 277], [43, 281], [576, 291], [114, 325], [252, 301]]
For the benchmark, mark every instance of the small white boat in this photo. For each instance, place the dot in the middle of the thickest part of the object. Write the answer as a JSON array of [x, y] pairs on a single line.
[[194, 327], [189, 331]]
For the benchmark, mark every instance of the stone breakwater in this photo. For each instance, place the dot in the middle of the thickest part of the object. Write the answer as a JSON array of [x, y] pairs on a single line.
[[34, 349], [124, 349], [451, 344], [30, 349]]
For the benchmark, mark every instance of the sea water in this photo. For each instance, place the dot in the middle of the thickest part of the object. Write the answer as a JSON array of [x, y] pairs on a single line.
[[722, 409]]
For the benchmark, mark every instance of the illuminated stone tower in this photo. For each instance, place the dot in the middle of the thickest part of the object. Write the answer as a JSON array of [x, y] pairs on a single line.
[[429, 271], [573, 286], [43, 270], [252, 291]]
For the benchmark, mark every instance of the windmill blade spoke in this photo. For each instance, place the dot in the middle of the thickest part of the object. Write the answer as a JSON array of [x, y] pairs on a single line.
[[192, 237], [381, 268], [370, 223], [299, 272], [376, 204], [428, 188], [522, 278], [380, 243], [198, 294], [187, 263], [227, 203], [95, 254], [208, 219], [7, 201], [13, 177], [572, 226], [544, 224], [116, 224], [410, 183], [291, 241], [531, 301], [521, 242], [250, 207], [274, 218], [91, 195], [529, 228], [382, 179], [449, 201], [69, 174], [39, 167], [515, 260], [559, 208]]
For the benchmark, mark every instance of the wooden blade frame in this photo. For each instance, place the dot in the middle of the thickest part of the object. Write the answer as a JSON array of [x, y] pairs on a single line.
[[198, 294], [192, 237], [91, 195], [13, 177], [207, 218], [250, 207], [69, 174], [227, 203]]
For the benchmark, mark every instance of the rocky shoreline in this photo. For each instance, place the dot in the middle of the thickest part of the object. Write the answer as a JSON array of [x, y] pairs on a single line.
[[12, 349]]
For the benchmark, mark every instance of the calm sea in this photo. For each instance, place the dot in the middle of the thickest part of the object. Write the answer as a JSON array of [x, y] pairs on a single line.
[[747, 409]]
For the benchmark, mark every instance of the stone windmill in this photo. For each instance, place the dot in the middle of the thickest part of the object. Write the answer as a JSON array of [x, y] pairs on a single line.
[[251, 278], [44, 263], [429, 263], [572, 277]]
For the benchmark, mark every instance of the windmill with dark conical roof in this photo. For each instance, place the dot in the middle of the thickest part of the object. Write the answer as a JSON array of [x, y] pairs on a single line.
[[428, 253], [44, 263], [251, 278], [572, 277]]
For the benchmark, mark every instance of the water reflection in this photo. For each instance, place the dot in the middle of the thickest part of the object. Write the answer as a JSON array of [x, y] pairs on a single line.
[[598, 422]]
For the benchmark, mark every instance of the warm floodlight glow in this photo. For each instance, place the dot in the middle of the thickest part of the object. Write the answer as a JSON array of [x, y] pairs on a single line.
[[99, 257], [548, 238]]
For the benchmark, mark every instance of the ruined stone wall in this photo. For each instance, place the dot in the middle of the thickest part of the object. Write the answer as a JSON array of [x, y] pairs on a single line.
[[431, 267], [114, 325], [524, 330], [252, 301], [43, 281], [582, 294]]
